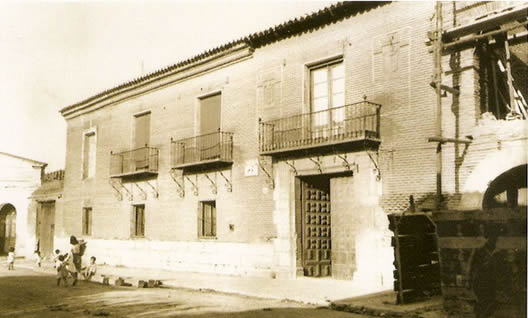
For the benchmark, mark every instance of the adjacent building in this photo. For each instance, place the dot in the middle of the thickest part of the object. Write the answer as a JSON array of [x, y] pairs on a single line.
[[19, 177], [281, 153], [41, 212]]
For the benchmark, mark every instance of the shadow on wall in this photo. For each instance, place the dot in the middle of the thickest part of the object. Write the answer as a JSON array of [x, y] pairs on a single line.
[[7, 227]]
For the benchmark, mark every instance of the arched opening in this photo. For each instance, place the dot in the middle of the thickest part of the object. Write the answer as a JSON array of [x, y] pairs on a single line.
[[507, 190], [7, 227]]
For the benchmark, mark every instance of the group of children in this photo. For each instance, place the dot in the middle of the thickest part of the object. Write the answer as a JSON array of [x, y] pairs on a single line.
[[65, 268], [63, 264]]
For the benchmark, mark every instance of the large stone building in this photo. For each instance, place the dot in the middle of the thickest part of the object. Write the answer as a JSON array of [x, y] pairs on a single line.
[[19, 177], [281, 153]]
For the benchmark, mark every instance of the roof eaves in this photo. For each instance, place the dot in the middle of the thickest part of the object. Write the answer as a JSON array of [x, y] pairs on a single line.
[[34, 162], [327, 15]]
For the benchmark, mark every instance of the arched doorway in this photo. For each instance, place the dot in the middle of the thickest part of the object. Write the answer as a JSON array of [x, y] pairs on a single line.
[[7, 227], [507, 190]]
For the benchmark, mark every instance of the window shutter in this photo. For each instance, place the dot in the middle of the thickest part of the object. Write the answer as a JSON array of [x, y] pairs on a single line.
[[142, 220], [90, 222], [213, 218], [133, 221], [199, 219]]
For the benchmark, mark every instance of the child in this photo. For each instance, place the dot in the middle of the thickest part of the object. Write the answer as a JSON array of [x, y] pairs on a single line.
[[11, 259], [38, 259], [56, 258], [62, 272], [89, 271]]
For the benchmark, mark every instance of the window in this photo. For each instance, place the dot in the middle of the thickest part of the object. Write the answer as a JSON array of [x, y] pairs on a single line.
[[89, 155], [327, 93], [138, 220], [210, 115], [87, 221], [207, 219], [141, 140]]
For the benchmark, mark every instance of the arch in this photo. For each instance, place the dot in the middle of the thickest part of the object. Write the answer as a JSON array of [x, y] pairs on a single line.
[[7, 227], [508, 183], [488, 170]]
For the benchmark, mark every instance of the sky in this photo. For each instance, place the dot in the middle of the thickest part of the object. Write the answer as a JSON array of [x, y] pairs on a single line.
[[56, 53]]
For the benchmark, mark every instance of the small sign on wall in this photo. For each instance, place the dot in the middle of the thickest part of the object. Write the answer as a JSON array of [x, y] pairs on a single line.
[[251, 168]]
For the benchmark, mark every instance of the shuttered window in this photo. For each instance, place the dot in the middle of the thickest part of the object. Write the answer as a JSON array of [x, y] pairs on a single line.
[[142, 130], [138, 220], [87, 221], [141, 140], [210, 113], [207, 219]]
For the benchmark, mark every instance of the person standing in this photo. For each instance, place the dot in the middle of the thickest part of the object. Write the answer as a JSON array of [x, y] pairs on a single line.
[[11, 259], [38, 259], [74, 258]]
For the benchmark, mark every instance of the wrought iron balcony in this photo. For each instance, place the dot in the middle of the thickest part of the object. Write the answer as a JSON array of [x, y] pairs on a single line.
[[332, 127], [204, 150], [138, 162]]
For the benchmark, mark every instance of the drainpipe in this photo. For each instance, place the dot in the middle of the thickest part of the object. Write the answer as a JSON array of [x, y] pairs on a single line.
[[438, 82]]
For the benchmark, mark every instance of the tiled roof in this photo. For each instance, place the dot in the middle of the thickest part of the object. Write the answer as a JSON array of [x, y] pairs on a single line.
[[327, 15], [35, 162]]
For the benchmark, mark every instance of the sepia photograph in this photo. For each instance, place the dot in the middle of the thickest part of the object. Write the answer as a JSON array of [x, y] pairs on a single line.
[[261, 159]]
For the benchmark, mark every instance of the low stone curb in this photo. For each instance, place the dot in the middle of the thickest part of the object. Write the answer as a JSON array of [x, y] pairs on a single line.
[[376, 312]]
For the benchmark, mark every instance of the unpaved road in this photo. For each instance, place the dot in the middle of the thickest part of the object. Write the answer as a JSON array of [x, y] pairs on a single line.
[[25, 293]]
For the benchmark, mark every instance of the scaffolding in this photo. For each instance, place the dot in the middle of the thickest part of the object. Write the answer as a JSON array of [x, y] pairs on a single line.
[[491, 36]]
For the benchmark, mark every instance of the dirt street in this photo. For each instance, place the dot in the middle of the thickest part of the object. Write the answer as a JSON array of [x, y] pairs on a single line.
[[26, 293]]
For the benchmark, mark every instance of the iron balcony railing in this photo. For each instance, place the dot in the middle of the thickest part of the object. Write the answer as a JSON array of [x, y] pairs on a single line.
[[208, 148], [138, 161], [358, 121]]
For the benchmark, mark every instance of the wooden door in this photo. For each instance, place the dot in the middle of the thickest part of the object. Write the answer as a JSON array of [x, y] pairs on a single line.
[[316, 239], [46, 228]]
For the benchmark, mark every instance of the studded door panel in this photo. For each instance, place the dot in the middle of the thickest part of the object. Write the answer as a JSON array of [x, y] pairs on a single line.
[[316, 228]]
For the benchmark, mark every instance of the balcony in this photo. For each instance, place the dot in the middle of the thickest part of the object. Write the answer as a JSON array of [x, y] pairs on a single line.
[[214, 149], [328, 129], [139, 162]]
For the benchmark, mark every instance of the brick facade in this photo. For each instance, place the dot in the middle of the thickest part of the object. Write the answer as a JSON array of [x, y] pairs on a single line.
[[385, 61]]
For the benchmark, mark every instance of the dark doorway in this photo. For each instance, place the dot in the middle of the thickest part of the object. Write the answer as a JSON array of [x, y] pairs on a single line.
[[507, 189], [46, 228], [7, 227], [314, 225]]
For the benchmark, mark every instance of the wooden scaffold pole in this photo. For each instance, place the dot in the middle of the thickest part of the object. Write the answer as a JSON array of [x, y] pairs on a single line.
[[438, 89]]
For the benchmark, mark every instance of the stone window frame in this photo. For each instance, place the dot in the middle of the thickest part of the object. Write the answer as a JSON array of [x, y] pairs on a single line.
[[84, 168], [201, 220]]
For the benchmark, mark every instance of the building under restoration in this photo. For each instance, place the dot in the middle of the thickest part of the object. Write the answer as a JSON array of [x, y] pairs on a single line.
[[281, 153]]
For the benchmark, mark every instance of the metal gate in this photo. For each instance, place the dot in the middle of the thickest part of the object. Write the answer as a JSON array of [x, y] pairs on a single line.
[[316, 239]]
